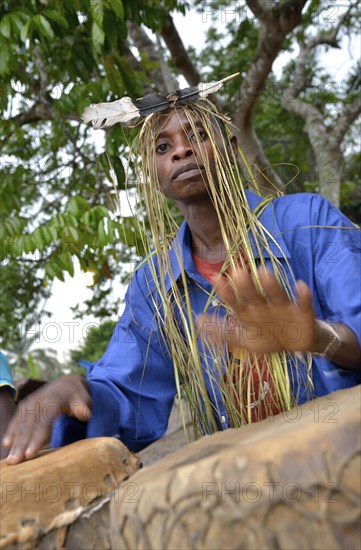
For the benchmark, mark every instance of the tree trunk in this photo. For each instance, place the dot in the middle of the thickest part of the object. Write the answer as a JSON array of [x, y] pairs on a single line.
[[275, 24], [329, 174]]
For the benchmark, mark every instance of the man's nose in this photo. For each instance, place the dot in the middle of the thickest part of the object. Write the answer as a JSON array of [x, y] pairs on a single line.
[[182, 149]]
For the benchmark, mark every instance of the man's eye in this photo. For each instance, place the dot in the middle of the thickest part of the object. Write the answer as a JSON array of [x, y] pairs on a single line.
[[200, 135], [162, 148]]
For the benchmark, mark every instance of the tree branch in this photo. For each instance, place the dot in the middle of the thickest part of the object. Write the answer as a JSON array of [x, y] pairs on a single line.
[[37, 112], [276, 24], [345, 120], [301, 81], [273, 31], [259, 11], [179, 54], [43, 96], [330, 37], [170, 83], [148, 51], [325, 141]]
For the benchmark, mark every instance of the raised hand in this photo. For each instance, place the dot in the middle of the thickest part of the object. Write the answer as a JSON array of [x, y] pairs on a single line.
[[262, 322], [30, 427]]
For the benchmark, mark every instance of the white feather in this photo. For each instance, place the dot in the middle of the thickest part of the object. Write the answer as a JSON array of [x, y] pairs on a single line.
[[212, 87], [104, 115], [208, 88]]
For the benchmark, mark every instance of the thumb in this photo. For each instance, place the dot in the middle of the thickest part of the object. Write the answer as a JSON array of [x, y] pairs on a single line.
[[80, 408]]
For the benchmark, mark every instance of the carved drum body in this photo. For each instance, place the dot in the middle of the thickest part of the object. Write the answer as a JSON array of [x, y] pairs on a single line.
[[289, 482]]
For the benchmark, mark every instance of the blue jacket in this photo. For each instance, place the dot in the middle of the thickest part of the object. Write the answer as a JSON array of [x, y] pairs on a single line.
[[133, 387]]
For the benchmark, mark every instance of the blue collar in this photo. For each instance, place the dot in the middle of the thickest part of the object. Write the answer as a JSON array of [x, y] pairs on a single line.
[[180, 253]]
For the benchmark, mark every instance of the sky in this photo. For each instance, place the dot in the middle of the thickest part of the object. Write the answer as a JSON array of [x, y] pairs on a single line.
[[62, 332]]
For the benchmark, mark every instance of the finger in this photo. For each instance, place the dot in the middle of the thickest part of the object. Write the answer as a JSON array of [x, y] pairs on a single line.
[[225, 289], [217, 332], [80, 410], [304, 297], [80, 404], [247, 289], [8, 437], [18, 442], [27, 436], [239, 291], [276, 295], [38, 439], [28, 430]]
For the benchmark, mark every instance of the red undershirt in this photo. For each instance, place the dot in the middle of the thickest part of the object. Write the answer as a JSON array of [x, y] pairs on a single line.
[[263, 401]]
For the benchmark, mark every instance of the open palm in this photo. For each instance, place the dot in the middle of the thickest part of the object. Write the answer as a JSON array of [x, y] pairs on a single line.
[[262, 322]]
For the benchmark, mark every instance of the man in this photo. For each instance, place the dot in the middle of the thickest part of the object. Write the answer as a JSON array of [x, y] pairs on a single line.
[[253, 307]]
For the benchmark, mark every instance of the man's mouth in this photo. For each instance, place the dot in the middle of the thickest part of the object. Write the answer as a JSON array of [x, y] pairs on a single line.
[[187, 171]]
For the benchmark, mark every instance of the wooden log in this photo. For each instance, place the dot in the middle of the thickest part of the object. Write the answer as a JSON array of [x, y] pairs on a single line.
[[290, 482], [49, 493]]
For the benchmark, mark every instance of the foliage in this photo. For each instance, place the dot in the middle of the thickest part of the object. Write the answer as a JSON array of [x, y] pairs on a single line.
[[59, 198], [281, 133], [27, 362], [94, 345], [58, 194]]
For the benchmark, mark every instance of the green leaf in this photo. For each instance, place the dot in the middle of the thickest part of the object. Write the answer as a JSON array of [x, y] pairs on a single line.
[[12, 226], [28, 244], [17, 20], [58, 220], [77, 206], [69, 234], [67, 261], [113, 75], [56, 16], [118, 8], [5, 26], [53, 232], [100, 212], [71, 220], [50, 271], [25, 30], [43, 26], [119, 172], [98, 36], [87, 218], [102, 236], [53, 269], [96, 10], [38, 238], [49, 234], [111, 232], [127, 73], [4, 58]]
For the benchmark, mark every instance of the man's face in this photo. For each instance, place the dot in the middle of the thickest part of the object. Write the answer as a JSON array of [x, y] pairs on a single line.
[[182, 156]]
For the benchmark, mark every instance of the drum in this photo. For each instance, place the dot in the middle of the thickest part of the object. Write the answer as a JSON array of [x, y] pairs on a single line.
[[45, 502], [287, 482]]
